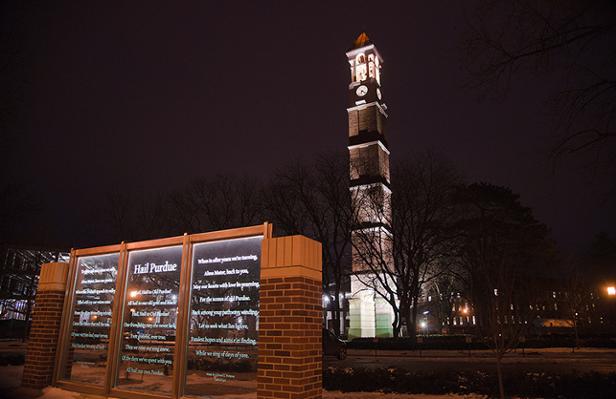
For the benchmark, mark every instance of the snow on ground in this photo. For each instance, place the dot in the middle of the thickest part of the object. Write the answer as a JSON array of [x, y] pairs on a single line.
[[10, 377], [57, 393]]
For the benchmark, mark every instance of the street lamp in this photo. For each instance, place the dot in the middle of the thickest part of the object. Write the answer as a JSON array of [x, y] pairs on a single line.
[[464, 322], [611, 291]]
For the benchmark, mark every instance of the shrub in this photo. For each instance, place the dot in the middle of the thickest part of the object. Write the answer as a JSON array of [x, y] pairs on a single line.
[[429, 342], [520, 383]]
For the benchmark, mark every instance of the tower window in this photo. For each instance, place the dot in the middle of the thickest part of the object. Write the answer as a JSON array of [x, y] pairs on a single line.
[[360, 67], [352, 65]]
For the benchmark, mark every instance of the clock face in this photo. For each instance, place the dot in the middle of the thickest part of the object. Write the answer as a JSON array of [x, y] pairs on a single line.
[[361, 91], [378, 93]]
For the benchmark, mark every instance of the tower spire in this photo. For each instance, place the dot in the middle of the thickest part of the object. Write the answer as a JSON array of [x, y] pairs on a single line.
[[361, 41]]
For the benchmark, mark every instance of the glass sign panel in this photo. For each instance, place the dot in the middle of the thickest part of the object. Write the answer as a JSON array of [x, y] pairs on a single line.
[[85, 358], [149, 323], [224, 317]]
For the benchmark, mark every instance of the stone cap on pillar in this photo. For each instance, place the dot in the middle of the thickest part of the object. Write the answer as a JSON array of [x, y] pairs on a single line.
[[291, 256], [53, 276]]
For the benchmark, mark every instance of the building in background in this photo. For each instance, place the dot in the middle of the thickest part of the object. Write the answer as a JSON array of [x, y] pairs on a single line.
[[19, 273]]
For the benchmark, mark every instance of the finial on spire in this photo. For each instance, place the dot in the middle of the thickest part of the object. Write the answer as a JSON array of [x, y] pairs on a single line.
[[361, 41]]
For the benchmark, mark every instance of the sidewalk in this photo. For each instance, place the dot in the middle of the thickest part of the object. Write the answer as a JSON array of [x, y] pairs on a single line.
[[481, 353]]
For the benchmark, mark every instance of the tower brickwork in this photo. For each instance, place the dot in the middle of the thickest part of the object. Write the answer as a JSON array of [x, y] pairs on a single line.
[[370, 315]]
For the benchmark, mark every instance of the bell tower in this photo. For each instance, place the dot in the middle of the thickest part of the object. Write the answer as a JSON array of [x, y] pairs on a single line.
[[370, 315], [368, 149]]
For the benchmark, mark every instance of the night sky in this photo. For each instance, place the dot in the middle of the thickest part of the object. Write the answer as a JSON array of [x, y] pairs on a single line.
[[146, 96]]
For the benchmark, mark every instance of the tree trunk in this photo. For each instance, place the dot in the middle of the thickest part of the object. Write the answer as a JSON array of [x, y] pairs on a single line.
[[576, 343], [408, 316], [497, 339], [499, 374], [404, 315], [481, 313], [337, 310], [413, 316], [396, 325]]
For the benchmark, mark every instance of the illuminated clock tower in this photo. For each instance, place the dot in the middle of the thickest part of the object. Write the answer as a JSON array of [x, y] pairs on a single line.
[[370, 315]]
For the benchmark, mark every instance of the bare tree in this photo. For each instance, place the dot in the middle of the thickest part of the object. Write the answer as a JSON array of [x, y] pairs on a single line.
[[410, 243], [138, 215], [501, 247], [570, 39], [217, 203], [576, 289], [313, 199]]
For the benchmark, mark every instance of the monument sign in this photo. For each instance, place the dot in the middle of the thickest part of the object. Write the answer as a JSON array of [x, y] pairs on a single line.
[[183, 317]]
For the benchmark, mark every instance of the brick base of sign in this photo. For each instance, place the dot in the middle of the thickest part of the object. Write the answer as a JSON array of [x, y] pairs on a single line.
[[290, 351], [43, 339]]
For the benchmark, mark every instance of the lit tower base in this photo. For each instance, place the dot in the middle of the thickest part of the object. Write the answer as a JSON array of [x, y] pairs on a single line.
[[370, 314]]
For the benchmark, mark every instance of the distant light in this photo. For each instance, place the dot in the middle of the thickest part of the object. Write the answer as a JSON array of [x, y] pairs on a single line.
[[133, 294], [426, 312], [325, 299], [423, 324], [465, 310], [611, 291]]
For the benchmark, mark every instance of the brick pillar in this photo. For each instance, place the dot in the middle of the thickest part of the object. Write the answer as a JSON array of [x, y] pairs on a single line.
[[290, 353], [45, 328]]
